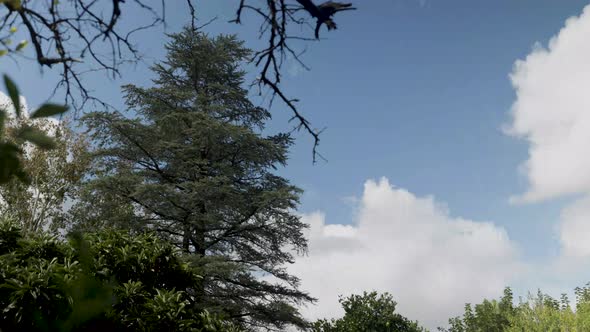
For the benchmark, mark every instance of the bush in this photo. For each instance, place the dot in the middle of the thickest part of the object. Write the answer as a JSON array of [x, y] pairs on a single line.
[[105, 281], [368, 312]]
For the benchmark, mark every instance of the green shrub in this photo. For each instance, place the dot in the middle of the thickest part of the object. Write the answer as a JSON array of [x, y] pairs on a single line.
[[110, 281]]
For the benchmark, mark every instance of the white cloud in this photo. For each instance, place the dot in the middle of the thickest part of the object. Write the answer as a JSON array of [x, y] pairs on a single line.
[[574, 228], [409, 246], [552, 112]]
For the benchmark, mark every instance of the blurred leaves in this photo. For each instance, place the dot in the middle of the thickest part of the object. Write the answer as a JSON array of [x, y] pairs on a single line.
[[37, 137], [47, 110], [11, 150], [13, 94]]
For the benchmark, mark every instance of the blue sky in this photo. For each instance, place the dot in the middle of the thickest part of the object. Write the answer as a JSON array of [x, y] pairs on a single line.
[[414, 91]]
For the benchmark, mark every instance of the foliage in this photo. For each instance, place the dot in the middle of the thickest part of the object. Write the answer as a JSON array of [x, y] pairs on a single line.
[[368, 312], [538, 313], [192, 165], [101, 281], [487, 316], [11, 150], [54, 176]]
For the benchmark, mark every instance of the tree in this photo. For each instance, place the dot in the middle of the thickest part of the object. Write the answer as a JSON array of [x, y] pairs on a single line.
[[488, 316], [53, 175], [538, 313], [542, 313], [368, 312], [192, 165], [105, 281]]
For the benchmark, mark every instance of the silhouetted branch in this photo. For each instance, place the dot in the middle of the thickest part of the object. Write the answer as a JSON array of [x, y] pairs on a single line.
[[68, 32], [277, 17], [65, 33]]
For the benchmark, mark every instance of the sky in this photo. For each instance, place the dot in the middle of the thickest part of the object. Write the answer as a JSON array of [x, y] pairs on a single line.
[[456, 135]]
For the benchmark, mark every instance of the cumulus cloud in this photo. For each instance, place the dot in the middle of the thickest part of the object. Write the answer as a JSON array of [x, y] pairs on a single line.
[[552, 112], [574, 228], [409, 246]]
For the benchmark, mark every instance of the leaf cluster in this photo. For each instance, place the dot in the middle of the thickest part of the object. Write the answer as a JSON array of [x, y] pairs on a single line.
[[109, 280], [538, 313], [368, 312]]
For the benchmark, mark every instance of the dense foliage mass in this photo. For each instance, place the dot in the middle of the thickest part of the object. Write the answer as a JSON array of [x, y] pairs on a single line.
[[534, 313], [109, 281], [368, 312]]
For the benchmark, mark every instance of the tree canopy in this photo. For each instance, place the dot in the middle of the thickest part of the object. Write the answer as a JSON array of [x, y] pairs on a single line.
[[537, 313], [189, 162], [368, 312]]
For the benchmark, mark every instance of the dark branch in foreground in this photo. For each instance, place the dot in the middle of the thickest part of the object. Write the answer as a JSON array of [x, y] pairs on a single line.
[[277, 18], [69, 32], [84, 36]]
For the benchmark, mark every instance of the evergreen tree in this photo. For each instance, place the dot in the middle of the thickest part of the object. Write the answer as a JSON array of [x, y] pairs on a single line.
[[191, 163]]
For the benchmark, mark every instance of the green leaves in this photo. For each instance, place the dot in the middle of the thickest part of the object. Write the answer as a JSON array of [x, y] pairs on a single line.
[[534, 313], [13, 94], [37, 137], [22, 45], [368, 312], [48, 110], [12, 4], [11, 151], [86, 284], [204, 172]]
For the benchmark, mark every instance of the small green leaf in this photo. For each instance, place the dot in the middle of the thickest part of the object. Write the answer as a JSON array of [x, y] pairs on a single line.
[[22, 45], [12, 4], [3, 52], [13, 29], [13, 94], [47, 110], [37, 137]]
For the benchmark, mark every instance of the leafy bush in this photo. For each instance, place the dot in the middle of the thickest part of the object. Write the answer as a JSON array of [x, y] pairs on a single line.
[[368, 312], [109, 280]]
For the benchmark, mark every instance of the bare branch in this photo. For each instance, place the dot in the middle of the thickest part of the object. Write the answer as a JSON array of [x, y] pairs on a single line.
[[65, 33], [277, 17]]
